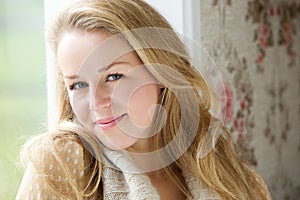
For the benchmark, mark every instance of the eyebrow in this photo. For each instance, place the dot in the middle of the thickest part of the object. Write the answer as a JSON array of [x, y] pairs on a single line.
[[100, 70], [103, 69], [71, 77]]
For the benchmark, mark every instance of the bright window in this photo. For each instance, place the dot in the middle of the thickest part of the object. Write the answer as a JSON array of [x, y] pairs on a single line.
[[22, 84]]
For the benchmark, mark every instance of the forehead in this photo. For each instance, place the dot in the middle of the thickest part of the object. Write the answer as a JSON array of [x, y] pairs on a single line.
[[76, 45], [82, 53]]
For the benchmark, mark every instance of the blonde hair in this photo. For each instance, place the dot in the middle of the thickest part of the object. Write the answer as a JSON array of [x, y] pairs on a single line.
[[221, 170]]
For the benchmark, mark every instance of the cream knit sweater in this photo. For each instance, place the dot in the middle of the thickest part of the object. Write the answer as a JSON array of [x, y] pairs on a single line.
[[119, 178]]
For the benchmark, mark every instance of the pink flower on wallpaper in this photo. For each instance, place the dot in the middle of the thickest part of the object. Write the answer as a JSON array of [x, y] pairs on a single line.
[[239, 124], [274, 10], [243, 105], [265, 30], [271, 9], [263, 43], [278, 11], [260, 58], [291, 53], [240, 136], [286, 33], [227, 101], [236, 123], [242, 124]]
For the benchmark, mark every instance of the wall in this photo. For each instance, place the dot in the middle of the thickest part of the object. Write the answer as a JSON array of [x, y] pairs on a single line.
[[255, 44]]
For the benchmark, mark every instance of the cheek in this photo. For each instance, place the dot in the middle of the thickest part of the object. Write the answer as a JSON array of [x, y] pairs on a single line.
[[141, 104], [80, 108]]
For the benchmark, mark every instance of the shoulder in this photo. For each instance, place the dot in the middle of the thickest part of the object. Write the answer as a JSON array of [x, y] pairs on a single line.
[[53, 148], [54, 166]]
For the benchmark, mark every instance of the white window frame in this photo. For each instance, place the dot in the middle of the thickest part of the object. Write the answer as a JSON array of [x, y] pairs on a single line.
[[50, 9]]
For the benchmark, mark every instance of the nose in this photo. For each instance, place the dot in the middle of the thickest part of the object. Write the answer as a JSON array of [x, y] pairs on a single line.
[[100, 98]]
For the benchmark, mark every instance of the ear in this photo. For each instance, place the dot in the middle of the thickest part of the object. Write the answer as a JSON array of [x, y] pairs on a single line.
[[162, 89]]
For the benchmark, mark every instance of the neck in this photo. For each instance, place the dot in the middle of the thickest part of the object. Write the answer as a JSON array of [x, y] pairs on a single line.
[[145, 156], [142, 146]]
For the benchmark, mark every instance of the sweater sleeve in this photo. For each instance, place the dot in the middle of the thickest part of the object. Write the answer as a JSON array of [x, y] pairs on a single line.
[[53, 173]]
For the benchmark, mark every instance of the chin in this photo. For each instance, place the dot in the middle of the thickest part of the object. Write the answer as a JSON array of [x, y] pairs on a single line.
[[117, 146]]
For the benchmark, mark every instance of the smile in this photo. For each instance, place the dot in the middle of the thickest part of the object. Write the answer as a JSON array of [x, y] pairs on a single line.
[[109, 122]]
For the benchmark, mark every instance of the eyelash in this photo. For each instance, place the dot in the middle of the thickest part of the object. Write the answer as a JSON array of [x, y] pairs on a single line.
[[73, 85], [116, 75]]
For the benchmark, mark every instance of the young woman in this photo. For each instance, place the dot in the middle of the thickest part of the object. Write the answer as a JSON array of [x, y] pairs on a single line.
[[134, 116]]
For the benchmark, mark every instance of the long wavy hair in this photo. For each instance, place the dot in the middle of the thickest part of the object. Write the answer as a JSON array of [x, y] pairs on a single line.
[[222, 169]]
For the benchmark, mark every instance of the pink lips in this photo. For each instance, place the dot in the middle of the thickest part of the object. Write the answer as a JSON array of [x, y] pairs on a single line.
[[109, 122]]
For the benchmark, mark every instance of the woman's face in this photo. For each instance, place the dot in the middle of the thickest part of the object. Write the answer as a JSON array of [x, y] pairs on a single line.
[[110, 91]]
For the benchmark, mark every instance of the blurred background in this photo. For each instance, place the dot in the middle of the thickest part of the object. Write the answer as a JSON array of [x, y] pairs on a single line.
[[255, 44], [22, 85]]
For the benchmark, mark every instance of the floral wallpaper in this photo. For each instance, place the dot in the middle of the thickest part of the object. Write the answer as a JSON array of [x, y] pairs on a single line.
[[263, 13], [255, 44]]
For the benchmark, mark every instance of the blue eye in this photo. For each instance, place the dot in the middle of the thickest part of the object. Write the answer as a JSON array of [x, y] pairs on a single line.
[[113, 77], [78, 85]]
